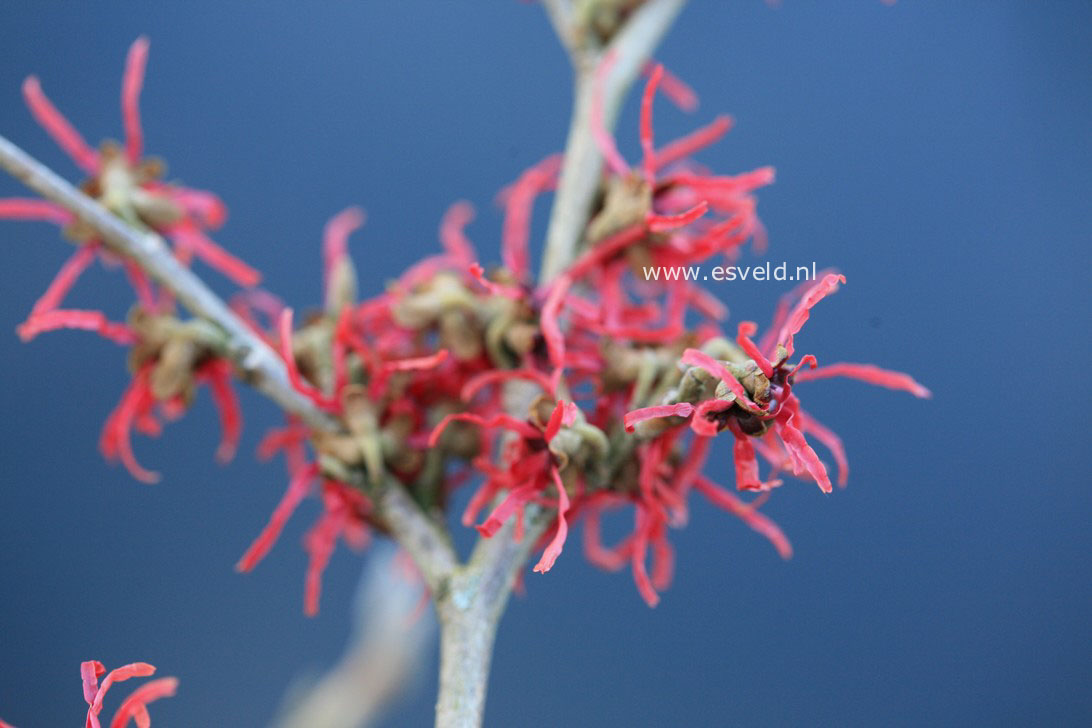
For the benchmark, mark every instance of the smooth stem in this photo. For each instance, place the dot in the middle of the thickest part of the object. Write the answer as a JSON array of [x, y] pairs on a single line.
[[470, 609], [469, 613]]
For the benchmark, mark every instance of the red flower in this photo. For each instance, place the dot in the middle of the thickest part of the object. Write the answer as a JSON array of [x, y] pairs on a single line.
[[133, 707], [128, 184]]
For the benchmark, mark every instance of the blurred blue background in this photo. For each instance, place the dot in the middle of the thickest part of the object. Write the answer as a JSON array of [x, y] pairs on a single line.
[[938, 153]]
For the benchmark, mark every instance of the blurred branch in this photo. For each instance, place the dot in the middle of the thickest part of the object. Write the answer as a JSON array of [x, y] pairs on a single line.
[[386, 650]]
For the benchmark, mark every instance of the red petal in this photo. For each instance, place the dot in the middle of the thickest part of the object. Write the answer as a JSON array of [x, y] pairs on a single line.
[[18, 208], [747, 513], [696, 140], [798, 446], [746, 330], [830, 440], [297, 490], [452, 235], [867, 373], [133, 707], [553, 550], [66, 277], [649, 159], [480, 381], [663, 223], [335, 239], [800, 314], [632, 418], [218, 373], [602, 137], [131, 82], [203, 247], [58, 127], [500, 420], [674, 88], [285, 331]]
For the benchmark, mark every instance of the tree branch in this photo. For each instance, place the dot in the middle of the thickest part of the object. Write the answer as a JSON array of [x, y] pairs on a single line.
[[470, 613], [425, 540], [583, 163], [259, 364]]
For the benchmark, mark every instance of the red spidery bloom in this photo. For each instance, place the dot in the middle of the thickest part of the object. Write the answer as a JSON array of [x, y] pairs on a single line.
[[170, 358], [127, 183], [600, 390], [134, 708]]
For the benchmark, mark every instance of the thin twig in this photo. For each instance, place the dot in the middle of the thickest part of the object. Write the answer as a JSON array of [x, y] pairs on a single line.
[[583, 163], [259, 364], [387, 648]]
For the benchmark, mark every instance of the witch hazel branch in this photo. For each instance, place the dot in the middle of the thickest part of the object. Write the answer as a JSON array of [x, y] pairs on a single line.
[[555, 398]]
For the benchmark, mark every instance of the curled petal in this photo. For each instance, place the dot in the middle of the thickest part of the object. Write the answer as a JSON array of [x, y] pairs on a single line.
[[131, 83], [297, 490], [674, 88], [495, 289], [602, 137], [798, 447], [289, 357], [515, 499], [508, 422], [452, 234], [119, 674], [17, 208], [743, 454], [744, 331], [696, 140], [74, 319], [700, 422], [799, 315], [66, 277], [747, 513], [663, 223], [553, 550], [519, 200], [134, 706], [193, 240], [610, 559], [335, 239], [830, 440], [320, 542], [480, 381], [638, 556], [632, 418], [115, 440], [90, 672], [867, 373], [58, 127], [218, 374], [648, 163], [551, 328]]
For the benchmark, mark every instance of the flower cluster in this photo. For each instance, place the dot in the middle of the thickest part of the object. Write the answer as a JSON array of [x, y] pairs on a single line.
[[169, 357], [135, 707], [594, 391]]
